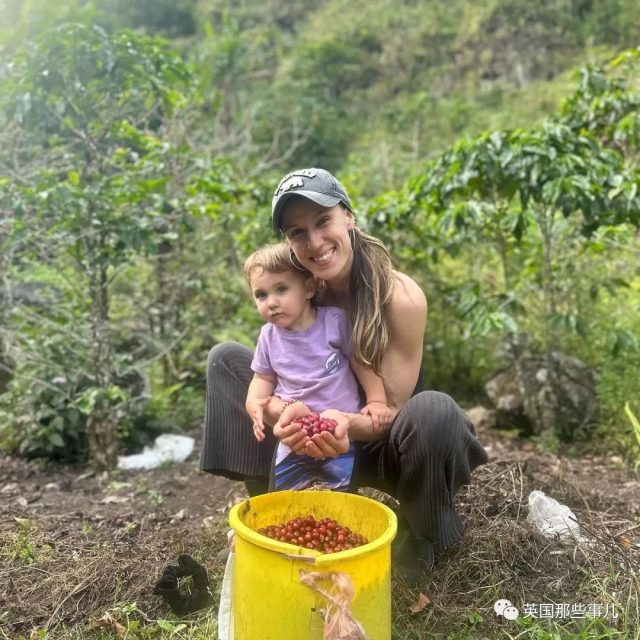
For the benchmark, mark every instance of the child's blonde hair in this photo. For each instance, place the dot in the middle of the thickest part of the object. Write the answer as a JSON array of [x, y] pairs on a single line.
[[273, 258]]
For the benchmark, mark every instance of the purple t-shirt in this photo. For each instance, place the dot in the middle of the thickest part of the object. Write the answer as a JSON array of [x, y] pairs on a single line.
[[311, 365]]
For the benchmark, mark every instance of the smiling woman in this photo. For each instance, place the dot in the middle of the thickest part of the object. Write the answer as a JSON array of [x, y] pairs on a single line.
[[355, 268], [427, 447]]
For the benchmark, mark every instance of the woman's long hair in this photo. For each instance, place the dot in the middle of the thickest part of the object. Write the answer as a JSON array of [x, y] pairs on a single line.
[[370, 288]]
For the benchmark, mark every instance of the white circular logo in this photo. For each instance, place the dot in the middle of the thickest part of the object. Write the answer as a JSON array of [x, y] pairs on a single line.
[[504, 608], [510, 613], [500, 606]]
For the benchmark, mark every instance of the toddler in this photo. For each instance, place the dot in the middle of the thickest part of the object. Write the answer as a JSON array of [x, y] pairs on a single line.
[[304, 354]]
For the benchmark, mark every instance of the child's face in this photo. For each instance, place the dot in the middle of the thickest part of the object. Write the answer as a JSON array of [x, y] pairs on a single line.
[[282, 298]]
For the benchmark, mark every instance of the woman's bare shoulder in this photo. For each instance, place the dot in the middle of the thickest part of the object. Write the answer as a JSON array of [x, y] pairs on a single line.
[[407, 294]]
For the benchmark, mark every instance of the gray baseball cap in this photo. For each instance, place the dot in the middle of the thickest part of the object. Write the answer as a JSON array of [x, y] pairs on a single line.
[[317, 185]]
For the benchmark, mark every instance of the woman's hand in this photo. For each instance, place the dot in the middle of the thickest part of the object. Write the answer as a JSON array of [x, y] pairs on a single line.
[[361, 427], [290, 432], [380, 414], [330, 445]]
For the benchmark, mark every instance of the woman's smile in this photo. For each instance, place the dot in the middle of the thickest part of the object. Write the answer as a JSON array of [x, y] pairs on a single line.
[[319, 237], [323, 259]]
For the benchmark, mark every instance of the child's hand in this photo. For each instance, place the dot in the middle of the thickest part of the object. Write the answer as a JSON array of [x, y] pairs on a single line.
[[257, 414], [330, 445], [380, 415], [288, 430]]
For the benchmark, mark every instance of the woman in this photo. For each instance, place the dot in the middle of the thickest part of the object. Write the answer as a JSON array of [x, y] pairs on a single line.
[[429, 449]]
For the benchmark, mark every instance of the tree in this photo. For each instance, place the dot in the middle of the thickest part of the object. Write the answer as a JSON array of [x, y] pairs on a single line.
[[496, 187], [607, 104], [86, 113], [521, 206]]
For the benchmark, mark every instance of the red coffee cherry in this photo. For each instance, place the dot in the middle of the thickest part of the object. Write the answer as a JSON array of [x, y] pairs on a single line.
[[313, 424], [326, 535]]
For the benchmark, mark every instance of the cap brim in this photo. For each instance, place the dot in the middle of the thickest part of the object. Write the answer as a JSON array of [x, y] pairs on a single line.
[[319, 198]]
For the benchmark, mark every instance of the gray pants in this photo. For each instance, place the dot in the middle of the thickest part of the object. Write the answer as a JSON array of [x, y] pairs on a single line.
[[429, 454]]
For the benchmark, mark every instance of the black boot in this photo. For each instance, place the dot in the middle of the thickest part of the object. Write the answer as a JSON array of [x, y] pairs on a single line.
[[256, 486], [412, 557]]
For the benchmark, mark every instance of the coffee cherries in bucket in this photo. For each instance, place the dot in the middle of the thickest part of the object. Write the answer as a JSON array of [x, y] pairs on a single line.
[[313, 424], [325, 536]]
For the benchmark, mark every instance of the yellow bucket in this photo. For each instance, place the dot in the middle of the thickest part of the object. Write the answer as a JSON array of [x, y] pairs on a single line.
[[270, 603]]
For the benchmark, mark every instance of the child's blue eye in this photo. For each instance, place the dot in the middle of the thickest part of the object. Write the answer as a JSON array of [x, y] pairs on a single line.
[[282, 289], [260, 295]]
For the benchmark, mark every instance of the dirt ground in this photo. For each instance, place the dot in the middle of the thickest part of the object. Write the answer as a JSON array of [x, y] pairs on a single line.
[[74, 545]]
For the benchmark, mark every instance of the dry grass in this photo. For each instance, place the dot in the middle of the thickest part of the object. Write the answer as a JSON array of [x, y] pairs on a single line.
[[502, 556], [64, 571]]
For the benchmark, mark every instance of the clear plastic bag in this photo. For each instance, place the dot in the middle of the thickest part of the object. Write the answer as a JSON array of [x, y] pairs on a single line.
[[551, 517], [339, 623]]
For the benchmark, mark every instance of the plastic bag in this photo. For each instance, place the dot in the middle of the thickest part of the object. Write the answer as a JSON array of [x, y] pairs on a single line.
[[225, 610], [168, 447], [551, 517], [339, 623]]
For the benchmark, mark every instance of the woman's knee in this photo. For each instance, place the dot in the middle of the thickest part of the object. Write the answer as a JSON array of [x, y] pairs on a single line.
[[435, 416], [224, 355]]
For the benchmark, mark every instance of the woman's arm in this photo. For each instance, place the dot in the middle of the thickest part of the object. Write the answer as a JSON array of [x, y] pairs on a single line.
[[376, 406], [372, 384], [406, 316]]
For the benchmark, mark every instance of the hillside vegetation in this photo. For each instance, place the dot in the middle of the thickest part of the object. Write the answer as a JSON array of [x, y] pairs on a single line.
[[493, 146], [368, 86]]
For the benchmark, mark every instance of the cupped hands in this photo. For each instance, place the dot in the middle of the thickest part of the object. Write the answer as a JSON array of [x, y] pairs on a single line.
[[321, 445], [327, 444]]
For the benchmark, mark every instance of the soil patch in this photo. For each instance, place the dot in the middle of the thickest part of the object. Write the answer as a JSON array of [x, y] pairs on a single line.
[[75, 545]]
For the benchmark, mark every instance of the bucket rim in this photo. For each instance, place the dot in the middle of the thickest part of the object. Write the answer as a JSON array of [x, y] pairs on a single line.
[[310, 556]]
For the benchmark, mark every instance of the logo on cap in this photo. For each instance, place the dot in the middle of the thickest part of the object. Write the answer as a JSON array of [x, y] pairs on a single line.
[[294, 180]]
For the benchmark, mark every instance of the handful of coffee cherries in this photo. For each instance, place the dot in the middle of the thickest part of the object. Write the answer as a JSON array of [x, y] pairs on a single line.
[[313, 424]]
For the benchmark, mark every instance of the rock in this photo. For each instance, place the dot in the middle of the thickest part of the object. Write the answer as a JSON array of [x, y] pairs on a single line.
[[178, 516], [544, 396], [115, 499], [482, 417]]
